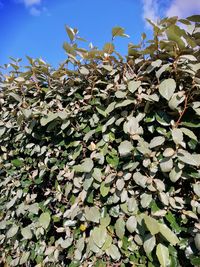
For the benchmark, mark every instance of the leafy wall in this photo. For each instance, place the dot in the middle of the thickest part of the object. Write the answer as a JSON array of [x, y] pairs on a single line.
[[99, 162]]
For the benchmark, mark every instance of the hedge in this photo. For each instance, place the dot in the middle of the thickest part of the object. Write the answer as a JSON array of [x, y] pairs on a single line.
[[99, 161]]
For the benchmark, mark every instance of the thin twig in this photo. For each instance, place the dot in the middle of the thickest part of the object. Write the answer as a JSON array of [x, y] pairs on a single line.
[[182, 113]]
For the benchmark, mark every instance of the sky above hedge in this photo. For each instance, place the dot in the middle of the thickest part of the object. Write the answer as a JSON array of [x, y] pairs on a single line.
[[36, 27]]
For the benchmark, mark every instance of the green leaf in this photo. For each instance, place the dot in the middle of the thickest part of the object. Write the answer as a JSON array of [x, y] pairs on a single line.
[[189, 133], [44, 220], [195, 261], [113, 251], [105, 221], [83, 70], [48, 118], [168, 152], [146, 200], [177, 136], [99, 235], [174, 33], [109, 48], [194, 18], [102, 111], [86, 166], [17, 162], [162, 70], [163, 118], [16, 97], [149, 243], [166, 164], [2, 130], [197, 241], [70, 33], [188, 57], [120, 227], [108, 67], [92, 214], [131, 224], [156, 141], [20, 79], [140, 179], [125, 148], [196, 188], [104, 189], [176, 100], [12, 231], [186, 157], [24, 257], [191, 124], [33, 208], [64, 243], [27, 113], [69, 49], [167, 88], [120, 94], [172, 220], [26, 232], [132, 127], [107, 243], [151, 224], [168, 234], [162, 254], [110, 107], [120, 184], [124, 103], [97, 175], [118, 31], [133, 86], [175, 174]]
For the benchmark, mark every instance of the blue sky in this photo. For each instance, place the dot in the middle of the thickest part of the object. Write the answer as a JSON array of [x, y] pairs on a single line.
[[36, 27]]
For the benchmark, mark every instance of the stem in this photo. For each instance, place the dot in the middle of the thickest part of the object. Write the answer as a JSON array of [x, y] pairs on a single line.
[[182, 113]]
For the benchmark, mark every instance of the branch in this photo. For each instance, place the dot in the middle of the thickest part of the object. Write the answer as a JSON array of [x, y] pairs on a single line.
[[182, 113]]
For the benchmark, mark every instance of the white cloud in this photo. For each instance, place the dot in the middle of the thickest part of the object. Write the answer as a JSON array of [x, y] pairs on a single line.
[[150, 9], [29, 3], [155, 9], [35, 11], [183, 8], [35, 7]]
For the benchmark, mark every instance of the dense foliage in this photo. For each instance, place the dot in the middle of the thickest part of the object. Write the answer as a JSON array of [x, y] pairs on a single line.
[[99, 161]]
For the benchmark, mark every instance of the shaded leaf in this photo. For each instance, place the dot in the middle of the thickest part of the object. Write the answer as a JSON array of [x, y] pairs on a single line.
[[149, 243]]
